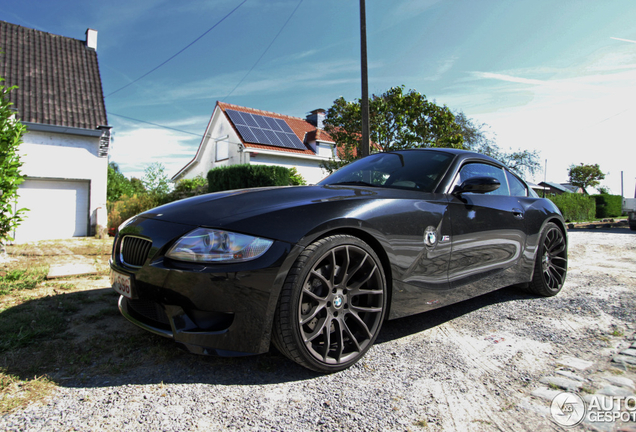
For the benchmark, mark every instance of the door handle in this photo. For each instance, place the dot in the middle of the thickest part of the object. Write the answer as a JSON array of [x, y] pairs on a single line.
[[517, 213]]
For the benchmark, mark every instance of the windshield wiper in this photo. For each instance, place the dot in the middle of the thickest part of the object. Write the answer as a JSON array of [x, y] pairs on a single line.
[[353, 183]]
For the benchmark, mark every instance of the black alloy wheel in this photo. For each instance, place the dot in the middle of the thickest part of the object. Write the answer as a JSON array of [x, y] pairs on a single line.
[[332, 304], [552, 262]]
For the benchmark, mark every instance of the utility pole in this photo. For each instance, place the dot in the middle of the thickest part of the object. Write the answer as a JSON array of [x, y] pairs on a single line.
[[364, 102]]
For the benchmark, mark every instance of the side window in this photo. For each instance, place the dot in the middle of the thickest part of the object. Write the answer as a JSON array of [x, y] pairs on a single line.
[[517, 188], [471, 170], [222, 151]]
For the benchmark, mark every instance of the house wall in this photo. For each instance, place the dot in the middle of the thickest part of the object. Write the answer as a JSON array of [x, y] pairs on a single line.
[[64, 156], [309, 169], [325, 150], [219, 127]]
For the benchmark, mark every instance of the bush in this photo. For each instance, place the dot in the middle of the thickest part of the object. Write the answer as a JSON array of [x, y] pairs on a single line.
[[187, 188], [574, 206], [128, 207], [11, 131], [608, 205], [247, 176], [295, 178]]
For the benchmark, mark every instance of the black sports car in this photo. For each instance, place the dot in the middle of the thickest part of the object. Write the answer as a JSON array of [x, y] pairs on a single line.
[[317, 269]]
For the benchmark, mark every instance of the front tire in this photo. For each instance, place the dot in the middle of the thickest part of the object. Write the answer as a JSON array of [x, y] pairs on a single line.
[[332, 304], [551, 263]]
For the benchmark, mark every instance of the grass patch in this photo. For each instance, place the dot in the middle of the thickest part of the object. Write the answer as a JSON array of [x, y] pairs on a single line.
[[421, 423], [617, 333], [34, 320], [106, 312], [15, 393], [22, 279]]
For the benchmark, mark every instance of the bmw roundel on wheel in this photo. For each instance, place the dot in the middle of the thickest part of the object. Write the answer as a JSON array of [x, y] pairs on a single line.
[[316, 270]]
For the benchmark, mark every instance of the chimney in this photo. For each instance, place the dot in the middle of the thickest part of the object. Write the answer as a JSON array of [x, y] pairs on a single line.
[[91, 38], [317, 117]]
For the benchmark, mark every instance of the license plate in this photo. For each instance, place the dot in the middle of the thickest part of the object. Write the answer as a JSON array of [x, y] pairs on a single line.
[[121, 283]]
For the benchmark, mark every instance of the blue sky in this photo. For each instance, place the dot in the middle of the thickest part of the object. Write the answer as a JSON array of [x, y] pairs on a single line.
[[554, 76]]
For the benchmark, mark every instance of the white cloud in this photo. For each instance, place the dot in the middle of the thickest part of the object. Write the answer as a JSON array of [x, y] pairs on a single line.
[[580, 114], [507, 78], [134, 149], [624, 40]]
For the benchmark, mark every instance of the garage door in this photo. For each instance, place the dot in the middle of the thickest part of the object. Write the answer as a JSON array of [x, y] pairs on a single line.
[[57, 209]]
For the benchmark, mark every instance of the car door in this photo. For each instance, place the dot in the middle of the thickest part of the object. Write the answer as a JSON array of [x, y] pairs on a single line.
[[488, 234]]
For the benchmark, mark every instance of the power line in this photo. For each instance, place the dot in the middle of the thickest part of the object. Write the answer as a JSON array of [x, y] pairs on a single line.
[[264, 52], [182, 50], [154, 124], [240, 82]]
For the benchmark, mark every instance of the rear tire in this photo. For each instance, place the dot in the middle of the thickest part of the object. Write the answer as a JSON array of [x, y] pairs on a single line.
[[332, 304], [551, 264]]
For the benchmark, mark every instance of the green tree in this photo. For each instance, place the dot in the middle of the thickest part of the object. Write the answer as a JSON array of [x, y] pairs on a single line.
[[397, 120], [119, 185], [603, 190], [585, 176], [295, 178], [187, 188], [156, 181], [11, 132], [476, 139]]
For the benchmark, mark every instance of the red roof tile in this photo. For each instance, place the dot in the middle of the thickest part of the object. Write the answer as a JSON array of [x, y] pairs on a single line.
[[57, 77], [301, 128]]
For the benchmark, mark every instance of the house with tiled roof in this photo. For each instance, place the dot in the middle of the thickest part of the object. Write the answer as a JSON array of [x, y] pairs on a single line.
[[560, 188], [65, 150], [239, 135]]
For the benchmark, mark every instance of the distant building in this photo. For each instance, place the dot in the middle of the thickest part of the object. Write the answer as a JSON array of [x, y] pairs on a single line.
[[240, 135], [65, 151], [559, 188]]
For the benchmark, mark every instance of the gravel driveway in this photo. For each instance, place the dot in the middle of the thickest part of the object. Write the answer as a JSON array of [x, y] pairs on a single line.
[[474, 366]]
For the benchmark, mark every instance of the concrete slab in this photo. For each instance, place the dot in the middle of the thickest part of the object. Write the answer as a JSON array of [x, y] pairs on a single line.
[[570, 375], [564, 383], [575, 363], [546, 393], [64, 270], [622, 359], [620, 381]]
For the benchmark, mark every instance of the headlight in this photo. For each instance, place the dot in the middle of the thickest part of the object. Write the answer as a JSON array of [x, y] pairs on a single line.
[[207, 245]]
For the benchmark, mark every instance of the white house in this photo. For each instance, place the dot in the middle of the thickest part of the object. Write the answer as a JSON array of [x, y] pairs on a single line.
[[240, 135], [65, 150]]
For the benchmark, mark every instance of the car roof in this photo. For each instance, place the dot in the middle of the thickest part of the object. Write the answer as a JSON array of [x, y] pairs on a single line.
[[461, 154]]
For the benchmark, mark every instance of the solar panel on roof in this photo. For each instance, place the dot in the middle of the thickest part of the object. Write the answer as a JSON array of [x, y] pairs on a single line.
[[249, 120], [266, 130], [246, 133], [236, 117], [272, 124]]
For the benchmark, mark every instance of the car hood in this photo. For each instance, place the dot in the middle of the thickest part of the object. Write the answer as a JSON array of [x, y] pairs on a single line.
[[219, 209]]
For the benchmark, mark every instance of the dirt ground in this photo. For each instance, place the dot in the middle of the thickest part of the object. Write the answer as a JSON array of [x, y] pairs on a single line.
[[491, 363]]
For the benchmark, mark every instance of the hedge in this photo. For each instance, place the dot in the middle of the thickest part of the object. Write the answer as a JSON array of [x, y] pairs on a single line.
[[247, 176], [608, 205], [575, 206]]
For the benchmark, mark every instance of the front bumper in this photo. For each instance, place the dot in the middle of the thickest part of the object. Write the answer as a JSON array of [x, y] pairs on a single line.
[[216, 309]]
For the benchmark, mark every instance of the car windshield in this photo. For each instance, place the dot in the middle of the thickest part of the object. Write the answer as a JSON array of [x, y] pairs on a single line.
[[416, 170]]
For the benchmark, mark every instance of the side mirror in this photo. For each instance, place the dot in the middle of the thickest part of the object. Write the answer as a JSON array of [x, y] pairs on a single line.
[[479, 185]]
